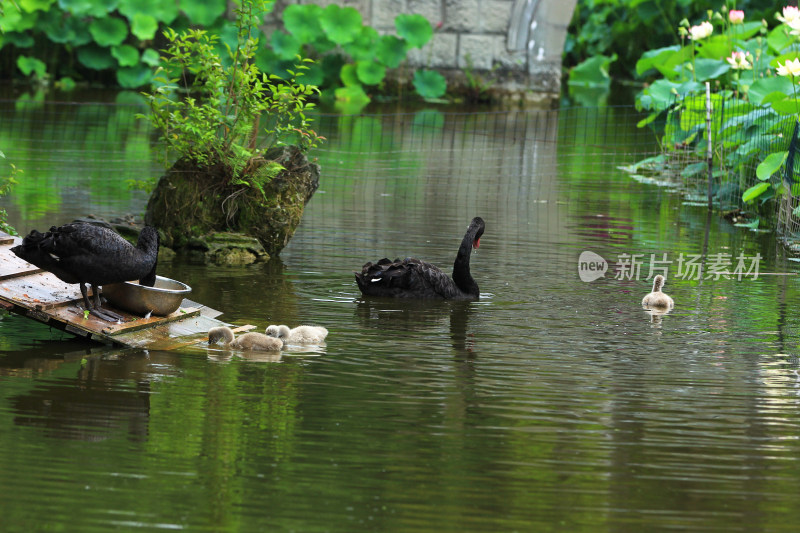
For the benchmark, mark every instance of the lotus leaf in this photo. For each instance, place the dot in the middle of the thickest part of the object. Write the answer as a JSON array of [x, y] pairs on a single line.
[[20, 40], [755, 191], [204, 12], [710, 69], [429, 84], [370, 72], [285, 46], [228, 41], [779, 39], [349, 76], [150, 57], [350, 99], [763, 87], [415, 29], [715, 47], [95, 57], [62, 28], [35, 5], [654, 58], [144, 26], [165, 12], [391, 51], [302, 21], [592, 73], [133, 77], [108, 31], [771, 164], [89, 8], [66, 84], [16, 20], [31, 65], [362, 47], [126, 55], [341, 24], [266, 60]]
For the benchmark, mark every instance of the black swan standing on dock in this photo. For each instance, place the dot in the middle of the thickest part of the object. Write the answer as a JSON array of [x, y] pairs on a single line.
[[84, 253], [413, 278]]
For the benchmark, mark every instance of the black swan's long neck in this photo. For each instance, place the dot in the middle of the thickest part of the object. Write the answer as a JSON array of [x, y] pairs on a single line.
[[148, 244], [461, 274]]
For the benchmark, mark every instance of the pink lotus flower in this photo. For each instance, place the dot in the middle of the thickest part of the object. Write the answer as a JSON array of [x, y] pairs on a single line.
[[736, 16], [790, 68], [739, 61], [790, 14], [701, 31]]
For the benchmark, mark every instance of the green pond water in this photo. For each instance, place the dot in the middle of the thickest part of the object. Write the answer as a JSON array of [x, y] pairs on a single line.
[[551, 404]]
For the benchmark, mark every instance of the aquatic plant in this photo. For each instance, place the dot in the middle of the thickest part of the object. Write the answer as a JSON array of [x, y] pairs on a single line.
[[753, 70], [118, 42], [350, 57]]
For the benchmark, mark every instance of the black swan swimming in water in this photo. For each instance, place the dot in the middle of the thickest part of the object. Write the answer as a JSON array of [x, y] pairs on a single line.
[[84, 253], [413, 278]]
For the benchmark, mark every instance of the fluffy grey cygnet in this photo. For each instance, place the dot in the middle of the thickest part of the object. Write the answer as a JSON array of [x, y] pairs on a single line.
[[657, 299], [246, 341], [298, 335]]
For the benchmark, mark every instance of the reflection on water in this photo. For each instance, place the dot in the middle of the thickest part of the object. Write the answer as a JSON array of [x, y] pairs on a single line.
[[550, 403]]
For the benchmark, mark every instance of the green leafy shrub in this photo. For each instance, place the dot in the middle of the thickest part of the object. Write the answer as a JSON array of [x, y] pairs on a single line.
[[228, 113]]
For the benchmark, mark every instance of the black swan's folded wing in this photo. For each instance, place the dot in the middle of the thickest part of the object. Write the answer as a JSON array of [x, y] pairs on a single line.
[[407, 278]]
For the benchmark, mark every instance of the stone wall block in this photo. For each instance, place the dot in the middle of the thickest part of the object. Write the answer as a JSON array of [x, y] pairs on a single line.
[[440, 52], [461, 15], [481, 49], [384, 13], [430, 9], [496, 15]]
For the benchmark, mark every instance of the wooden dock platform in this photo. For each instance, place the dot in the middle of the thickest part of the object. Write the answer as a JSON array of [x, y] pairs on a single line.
[[29, 291]]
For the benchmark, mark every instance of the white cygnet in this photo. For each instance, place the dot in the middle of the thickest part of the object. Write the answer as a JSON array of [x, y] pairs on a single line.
[[298, 335], [657, 299], [246, 341]]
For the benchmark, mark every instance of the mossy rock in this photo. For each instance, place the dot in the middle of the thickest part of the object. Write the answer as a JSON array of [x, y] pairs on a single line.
[[224, 248], [193, 201]]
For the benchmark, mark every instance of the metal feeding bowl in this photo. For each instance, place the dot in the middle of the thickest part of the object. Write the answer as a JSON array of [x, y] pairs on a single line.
[[163, 298]]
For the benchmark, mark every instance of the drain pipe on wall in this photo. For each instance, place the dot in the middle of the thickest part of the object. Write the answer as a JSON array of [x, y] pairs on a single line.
[[709, 151]]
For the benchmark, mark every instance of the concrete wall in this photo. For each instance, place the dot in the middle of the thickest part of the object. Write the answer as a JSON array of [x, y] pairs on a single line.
[[515, 43]]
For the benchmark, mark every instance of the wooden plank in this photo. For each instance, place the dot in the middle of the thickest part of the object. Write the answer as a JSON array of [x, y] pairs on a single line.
[[40, 295], [10, 264], [204, 309], [173, 335], [5, 238], [43, 290], [143, 323]]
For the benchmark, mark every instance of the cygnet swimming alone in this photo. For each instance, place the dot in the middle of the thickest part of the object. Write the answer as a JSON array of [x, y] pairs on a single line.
[[658, 299], [298, 335], [246, 341]]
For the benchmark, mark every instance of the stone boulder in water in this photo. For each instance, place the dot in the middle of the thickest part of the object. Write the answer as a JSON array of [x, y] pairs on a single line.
[[192, 201]]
